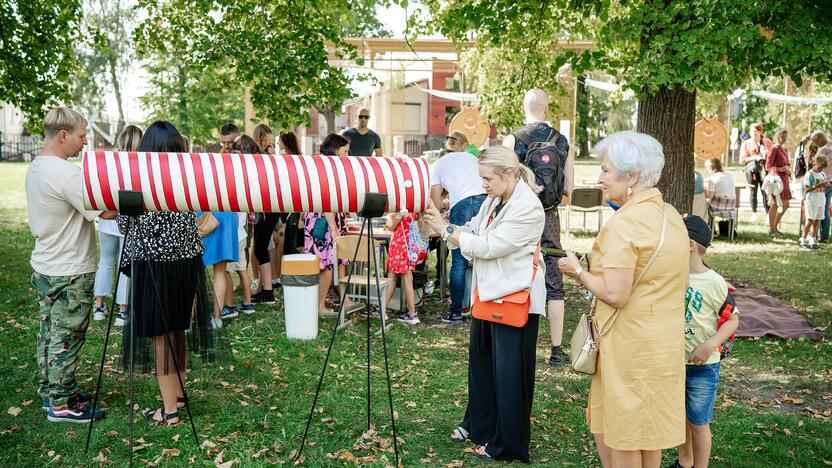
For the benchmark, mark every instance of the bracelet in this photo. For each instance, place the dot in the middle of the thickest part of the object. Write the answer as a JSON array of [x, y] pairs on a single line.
[[578, 272]]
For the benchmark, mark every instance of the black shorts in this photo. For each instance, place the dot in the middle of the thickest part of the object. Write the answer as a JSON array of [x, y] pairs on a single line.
[[551, 238]]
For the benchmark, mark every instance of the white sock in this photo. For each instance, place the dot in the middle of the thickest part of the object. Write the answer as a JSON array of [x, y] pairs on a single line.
[[810, 240], [802, 241]]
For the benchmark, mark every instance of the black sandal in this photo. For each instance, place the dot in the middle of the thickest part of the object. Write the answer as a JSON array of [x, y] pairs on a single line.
[[459, 435], [481, 453], [150, 414]]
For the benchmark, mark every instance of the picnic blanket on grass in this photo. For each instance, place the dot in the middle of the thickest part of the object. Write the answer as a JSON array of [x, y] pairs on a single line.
[[761, 314]]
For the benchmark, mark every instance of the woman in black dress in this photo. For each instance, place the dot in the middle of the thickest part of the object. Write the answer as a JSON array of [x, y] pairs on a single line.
[[169, 282]]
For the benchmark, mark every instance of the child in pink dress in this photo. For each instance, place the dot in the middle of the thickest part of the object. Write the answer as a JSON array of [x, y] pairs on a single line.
[[408, 247]]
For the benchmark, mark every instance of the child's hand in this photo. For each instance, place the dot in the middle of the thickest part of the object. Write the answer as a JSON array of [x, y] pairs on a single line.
[[701, 353]]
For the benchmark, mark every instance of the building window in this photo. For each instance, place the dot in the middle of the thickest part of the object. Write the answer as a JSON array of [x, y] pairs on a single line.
[[450, 113]]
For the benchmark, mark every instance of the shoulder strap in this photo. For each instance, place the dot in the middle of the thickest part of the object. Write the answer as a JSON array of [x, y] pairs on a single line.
[[522, 136], [606, 327]]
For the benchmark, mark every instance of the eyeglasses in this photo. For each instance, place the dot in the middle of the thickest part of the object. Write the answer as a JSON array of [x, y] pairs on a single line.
[[363, 116]]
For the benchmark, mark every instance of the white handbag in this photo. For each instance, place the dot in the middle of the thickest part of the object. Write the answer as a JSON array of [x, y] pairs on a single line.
[[585, 340]]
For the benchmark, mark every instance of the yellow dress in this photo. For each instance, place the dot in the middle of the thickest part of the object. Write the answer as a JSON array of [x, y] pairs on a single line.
[[637, 397]]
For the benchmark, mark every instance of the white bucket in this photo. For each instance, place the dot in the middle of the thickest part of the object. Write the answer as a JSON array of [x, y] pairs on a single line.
[[300, 305]]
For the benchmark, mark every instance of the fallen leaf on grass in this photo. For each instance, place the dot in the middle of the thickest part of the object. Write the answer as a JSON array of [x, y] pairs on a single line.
[[229, 464], [175, 438], [170, 453], [207, 444], [14, 411], [455, 464], [101, 458], [796, 401]]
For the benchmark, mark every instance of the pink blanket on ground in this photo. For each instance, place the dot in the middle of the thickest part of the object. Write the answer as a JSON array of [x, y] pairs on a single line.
[[761, 314]]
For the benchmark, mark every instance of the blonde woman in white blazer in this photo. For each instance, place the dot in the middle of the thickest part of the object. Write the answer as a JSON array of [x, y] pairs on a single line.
[[500, 241]]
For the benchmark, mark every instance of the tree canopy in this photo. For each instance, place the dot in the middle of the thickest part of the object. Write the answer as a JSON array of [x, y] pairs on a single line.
[[279, 49], [37, 38], [663, 50]]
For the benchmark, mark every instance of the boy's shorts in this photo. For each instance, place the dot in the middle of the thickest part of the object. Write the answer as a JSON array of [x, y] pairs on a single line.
[[242, 262], [700, 392], [815, 210]]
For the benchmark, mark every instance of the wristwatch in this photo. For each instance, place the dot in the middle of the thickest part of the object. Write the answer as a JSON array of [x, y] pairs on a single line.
[[449, 229]]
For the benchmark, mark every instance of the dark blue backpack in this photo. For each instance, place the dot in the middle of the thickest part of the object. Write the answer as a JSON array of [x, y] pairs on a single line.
[[547, 160]]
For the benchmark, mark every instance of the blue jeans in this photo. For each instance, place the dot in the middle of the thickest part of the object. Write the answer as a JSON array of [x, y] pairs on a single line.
[[110, 252], [460, 214], [824, 224], [700, 392]]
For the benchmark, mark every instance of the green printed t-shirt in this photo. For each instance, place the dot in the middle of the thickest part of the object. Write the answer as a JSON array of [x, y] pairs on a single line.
[[705, 295]]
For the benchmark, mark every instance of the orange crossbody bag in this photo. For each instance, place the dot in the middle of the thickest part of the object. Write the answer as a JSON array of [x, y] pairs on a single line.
[[512, 309]]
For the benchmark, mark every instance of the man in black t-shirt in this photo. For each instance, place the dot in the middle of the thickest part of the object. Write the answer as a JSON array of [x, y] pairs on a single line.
[[535, 107], [363, 141]]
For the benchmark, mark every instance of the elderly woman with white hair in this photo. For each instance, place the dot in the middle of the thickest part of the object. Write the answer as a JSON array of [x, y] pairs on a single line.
[[638, 274], [502, 242]]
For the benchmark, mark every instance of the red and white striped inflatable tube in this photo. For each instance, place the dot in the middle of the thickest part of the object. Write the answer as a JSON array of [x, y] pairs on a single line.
[[253, 182]]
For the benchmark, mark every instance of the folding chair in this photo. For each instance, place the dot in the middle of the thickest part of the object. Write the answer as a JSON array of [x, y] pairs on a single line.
[[585, 200], [357, 272]]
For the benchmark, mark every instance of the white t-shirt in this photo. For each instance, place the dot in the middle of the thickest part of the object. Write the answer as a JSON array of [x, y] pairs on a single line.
[[242, 218], [458, 173], [109, 226], [63, 228], [722, 184]]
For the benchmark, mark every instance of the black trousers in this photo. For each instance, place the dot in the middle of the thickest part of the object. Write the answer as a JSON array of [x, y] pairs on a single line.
[[755, 183], [262, 233], [501, 366]]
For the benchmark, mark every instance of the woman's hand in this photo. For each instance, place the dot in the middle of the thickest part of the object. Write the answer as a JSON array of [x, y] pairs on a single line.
[[569, 264], [434, 218]]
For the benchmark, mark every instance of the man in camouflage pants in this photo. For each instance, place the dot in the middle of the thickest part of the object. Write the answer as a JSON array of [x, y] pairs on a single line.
[[63, 263]]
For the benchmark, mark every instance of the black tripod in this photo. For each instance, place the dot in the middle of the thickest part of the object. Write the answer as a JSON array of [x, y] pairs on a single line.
[[374, 207], [131, 205]]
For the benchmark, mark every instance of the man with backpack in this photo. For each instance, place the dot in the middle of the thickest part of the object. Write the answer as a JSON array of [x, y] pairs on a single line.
[[546, 152]]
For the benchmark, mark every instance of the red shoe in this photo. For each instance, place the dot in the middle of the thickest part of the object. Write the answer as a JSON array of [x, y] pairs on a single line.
[[823, 240]]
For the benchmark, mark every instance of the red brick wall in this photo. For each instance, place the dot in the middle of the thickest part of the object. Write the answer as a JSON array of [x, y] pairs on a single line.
[[436, 105]]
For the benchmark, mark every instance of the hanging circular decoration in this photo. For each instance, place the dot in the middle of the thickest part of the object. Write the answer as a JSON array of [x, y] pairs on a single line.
[[474, 125], [710, 138]]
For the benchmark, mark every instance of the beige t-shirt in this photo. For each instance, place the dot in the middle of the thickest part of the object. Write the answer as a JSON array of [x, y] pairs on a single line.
[[63, 228]]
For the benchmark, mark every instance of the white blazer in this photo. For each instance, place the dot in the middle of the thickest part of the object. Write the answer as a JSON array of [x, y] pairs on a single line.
[[502, 252]]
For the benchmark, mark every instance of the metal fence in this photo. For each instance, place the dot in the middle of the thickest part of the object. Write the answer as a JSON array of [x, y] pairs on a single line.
[[19, 147]]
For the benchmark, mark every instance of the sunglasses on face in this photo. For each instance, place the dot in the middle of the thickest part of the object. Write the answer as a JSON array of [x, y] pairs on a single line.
[[363, 116]]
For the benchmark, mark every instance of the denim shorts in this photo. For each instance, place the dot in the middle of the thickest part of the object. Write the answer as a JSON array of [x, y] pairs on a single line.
[[700, 392]]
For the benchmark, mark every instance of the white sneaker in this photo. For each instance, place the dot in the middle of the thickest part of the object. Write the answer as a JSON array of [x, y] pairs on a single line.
[[216, 323], [99, 313], [121, 319]]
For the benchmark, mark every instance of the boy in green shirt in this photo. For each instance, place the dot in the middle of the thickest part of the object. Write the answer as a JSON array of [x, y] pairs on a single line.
[[704, 299]]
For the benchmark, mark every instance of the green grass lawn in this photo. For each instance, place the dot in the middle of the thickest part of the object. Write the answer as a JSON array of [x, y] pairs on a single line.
[[773, 407]]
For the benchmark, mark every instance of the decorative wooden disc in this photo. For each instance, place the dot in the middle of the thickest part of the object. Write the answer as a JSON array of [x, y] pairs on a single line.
[[710, 138], [473, 125]]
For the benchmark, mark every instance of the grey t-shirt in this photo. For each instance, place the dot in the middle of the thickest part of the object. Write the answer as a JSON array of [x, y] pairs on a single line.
[[362, 145]]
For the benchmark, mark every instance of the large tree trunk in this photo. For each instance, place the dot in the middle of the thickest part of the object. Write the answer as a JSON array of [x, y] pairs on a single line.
[[668, 116]]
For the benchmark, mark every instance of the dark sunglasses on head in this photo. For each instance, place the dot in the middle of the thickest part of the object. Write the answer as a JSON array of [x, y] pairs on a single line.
[[363, 116]]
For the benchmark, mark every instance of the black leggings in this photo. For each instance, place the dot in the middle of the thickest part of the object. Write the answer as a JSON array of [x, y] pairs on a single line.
[[754, 185], [262, 234]]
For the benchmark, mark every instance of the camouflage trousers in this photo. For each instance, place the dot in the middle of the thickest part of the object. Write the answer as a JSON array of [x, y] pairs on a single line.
[[64, 304]]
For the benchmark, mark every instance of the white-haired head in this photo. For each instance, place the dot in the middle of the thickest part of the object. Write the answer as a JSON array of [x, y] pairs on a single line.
[[536, 103], [634, 152]]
